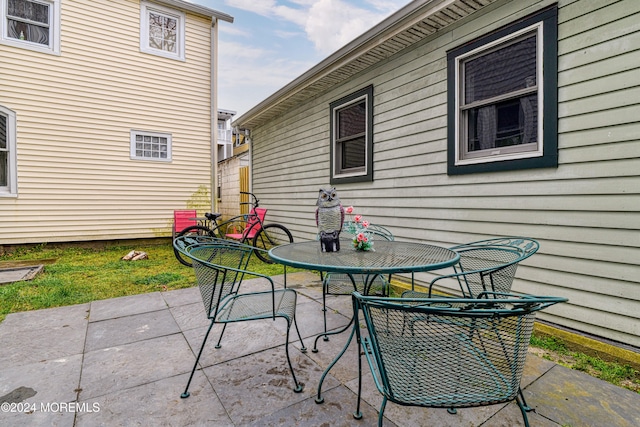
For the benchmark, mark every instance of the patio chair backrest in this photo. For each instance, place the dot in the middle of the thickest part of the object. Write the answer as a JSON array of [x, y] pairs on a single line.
[[490, 265], [219, 269], [376, 232], [255, 218], [183, 219], [448, 352]]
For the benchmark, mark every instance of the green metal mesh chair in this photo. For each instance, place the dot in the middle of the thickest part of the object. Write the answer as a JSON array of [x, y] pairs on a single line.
[[486, 265], [219, 268], [458, 353], [345, 284]]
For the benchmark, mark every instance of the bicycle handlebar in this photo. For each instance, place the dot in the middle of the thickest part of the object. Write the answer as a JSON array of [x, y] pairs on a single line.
[[255, 202]]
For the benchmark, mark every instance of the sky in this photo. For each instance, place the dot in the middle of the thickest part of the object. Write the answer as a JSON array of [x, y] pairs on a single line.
[[271, 42]]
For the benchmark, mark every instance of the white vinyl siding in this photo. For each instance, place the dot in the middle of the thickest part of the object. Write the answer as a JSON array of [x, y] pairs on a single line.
[[585, 213], [73, 139]]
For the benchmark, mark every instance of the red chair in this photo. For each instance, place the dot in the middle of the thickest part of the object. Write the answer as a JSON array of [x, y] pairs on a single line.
[[183, 219], [252, 227]]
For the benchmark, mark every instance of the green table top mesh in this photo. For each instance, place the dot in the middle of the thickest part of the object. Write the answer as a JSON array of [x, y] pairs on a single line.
[[386, 258]]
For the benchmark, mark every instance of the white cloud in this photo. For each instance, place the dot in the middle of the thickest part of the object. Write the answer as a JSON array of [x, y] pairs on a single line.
[[248, 74], [261, 7], [387, 6], [328, 24], [233, 31], [333, 23], [287, 34], [270, 9], [252, 67]]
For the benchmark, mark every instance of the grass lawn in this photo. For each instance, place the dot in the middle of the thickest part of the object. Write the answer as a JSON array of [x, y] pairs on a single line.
[[75, 275]]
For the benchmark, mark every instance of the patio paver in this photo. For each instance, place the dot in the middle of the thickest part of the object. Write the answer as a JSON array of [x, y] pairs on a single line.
[[125, 361]]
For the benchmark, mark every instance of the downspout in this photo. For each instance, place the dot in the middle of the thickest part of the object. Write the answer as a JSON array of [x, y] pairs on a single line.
[[214, 115], [251, 164]]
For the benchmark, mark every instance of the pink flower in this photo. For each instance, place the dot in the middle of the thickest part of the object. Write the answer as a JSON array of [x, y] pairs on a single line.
[[357, 218], [365, 223], [349, 210], [361, 237]]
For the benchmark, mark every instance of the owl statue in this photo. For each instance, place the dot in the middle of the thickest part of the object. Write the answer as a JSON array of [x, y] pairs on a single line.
[[329, 219]]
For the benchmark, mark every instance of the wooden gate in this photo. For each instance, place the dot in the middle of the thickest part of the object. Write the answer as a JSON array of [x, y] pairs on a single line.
[[244, 186]]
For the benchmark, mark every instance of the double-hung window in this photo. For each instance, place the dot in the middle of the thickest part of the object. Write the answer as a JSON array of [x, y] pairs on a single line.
[[31, 24], [8, 171], [503, 98], [150, 146], [352, 137], [162, 31]]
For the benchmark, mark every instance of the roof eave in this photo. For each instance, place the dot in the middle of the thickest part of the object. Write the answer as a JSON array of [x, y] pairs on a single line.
[[195, 8]]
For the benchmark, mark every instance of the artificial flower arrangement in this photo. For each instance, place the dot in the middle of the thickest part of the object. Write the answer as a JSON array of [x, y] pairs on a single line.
[[358, 227]]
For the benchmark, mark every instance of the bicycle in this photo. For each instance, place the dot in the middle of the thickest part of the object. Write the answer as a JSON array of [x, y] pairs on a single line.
[[247, 229]]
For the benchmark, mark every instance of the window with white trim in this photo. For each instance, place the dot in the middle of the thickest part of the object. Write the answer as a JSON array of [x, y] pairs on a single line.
[[503, 98], [162, 31], [150, 146], [352, 137], [31, 24], [8, 167]]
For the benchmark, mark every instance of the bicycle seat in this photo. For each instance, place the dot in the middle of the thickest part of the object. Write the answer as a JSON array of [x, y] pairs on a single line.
[[212, 216]]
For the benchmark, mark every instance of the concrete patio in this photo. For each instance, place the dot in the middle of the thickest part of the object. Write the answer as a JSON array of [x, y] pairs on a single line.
[[125, 361]]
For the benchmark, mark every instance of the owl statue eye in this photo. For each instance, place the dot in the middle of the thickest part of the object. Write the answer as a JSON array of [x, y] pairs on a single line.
[[333, 195], [324, 196]]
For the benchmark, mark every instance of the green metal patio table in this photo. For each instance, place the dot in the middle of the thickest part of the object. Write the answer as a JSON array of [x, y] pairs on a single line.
[[388, 257]]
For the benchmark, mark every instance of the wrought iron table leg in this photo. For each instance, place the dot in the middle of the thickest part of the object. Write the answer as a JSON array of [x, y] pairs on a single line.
[[325, 335], [319, 398]]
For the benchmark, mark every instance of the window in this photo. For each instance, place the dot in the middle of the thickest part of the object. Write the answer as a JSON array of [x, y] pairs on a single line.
[[352, 137], [31, 24], [161, 31], [503, 98], [8, 167], [150, 146]]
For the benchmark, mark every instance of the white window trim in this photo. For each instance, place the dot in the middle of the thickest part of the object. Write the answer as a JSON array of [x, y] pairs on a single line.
[[337, 171], [145, 8], [11, 190], [54, 26], [496, 155], [132, 140]]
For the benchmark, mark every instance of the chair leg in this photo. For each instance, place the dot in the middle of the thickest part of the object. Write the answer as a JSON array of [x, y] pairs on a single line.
[[524, 402], [303, 349], [324, 336], [324, 309], [381, 413], [298, 387], [186, 393], [523, 409], [358, 414], [224, 327], [285, 277]]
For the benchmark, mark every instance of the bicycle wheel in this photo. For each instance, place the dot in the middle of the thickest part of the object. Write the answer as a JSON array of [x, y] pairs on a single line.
[[195, 231], [271, 235]]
